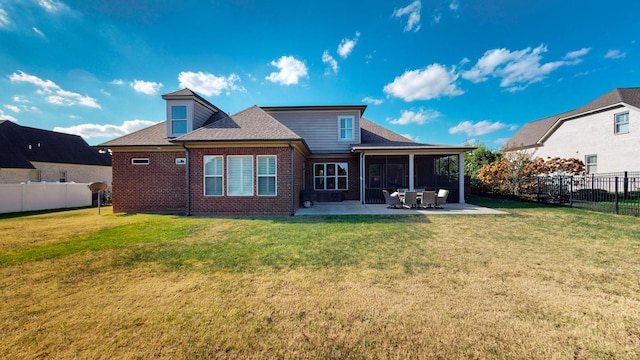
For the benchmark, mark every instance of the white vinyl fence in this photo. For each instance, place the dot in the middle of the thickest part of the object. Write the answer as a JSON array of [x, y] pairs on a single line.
[[43, 196]]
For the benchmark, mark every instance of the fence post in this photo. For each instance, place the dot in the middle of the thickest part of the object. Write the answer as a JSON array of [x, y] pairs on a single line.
[[538, 190], [571, 191], [626, 185], [616, 189]]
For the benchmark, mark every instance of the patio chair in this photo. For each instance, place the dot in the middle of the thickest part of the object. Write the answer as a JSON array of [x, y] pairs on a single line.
[[393, 202], [410, 199], [428, 199], [441, 199]]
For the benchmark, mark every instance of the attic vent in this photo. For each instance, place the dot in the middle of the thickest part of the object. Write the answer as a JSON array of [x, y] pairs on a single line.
[[140, 161]]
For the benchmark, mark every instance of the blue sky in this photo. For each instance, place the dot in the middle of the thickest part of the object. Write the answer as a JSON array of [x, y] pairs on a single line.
[[440, 72]]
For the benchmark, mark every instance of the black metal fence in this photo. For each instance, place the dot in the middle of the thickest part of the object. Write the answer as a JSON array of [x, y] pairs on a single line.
[[617, 193]]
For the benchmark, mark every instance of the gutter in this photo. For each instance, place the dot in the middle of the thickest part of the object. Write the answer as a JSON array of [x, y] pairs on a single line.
[[188, 178], [292, 179]]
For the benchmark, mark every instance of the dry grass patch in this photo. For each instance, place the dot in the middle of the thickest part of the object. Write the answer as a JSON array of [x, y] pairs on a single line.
[[526, 285]]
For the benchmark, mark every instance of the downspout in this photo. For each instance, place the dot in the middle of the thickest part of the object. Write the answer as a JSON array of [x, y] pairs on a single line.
[[188, 169], [292, 179]]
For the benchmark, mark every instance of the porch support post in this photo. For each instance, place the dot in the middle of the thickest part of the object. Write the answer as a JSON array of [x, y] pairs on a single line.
[[411, 184], [362, 182], [461, 176]]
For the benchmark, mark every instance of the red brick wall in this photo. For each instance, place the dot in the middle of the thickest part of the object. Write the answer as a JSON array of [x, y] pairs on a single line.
[[242, 205], [354, 174], [157, 187]]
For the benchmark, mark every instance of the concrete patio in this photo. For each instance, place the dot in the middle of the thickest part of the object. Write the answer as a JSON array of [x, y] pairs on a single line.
[[356, 208]]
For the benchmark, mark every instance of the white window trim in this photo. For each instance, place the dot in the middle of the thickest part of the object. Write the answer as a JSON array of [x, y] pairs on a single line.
[[181, 161], [205, 176], [139, 161], [229, 157], [586, 164], [353, 125], [189, 105], [615, 123], [274, 176], [336, 176]]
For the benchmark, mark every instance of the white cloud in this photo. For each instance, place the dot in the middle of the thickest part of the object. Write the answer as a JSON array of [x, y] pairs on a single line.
[[480, 128], [4, 116], [37, 31], [19, 99], [146, 87], [105, 131], [454, 5], [615, 54], [431, 82], [346, 46], [372, 100], [209, 84], [419, 117], [55, 94], [4, 19], [413, 12], [13, 108], [290, 71], [52, 6], [577, 53], [117, 82], [328, 59], [412, 137], [520, 68], [501, 141]]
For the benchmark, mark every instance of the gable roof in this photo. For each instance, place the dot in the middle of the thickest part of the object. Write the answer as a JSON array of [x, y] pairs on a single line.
[[252, 124], [535, 132], [21, 145]]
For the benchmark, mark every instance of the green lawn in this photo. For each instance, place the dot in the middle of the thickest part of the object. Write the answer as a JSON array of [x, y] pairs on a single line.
[[541, 282]]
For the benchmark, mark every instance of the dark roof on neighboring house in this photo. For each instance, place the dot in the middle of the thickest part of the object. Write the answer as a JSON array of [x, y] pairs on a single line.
[[533, 133], [20, 145]]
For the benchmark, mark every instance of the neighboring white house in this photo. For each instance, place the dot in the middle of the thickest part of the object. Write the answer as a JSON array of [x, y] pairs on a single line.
[[604, 134]]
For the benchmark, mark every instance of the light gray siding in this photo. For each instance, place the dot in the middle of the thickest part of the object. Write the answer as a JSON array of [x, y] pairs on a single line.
[[319, 128], [200, 115]]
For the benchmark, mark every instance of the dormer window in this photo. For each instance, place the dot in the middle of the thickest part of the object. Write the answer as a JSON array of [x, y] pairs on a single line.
[[345, 124], [179, 119]]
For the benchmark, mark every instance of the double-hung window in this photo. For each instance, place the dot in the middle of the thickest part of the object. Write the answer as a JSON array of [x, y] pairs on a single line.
[[213, 179], [62, 176], [345, 124], [331, 176], [266, 175], [240, 175], [591, 163], [178, 119], [622, 123]]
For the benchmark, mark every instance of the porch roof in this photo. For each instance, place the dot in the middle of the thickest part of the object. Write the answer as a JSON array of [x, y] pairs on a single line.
[[410, 148]]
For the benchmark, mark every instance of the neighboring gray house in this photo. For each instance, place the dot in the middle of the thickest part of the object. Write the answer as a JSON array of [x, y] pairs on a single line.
[[262, 160], [604, 133], [35, 155]]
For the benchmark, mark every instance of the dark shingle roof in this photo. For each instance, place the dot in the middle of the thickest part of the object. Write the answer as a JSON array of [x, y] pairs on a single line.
[[373, 133], [533, 132], [20, 145], [154, 135], [252, 124]]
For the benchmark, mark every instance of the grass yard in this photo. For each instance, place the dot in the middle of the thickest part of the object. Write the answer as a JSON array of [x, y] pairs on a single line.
[[542, 282]]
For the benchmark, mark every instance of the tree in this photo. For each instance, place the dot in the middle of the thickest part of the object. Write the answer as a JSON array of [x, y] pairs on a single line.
[[474, 160]]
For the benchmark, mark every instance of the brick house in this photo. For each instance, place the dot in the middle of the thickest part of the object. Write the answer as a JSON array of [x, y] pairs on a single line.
[[261, 160], [35, 155]]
